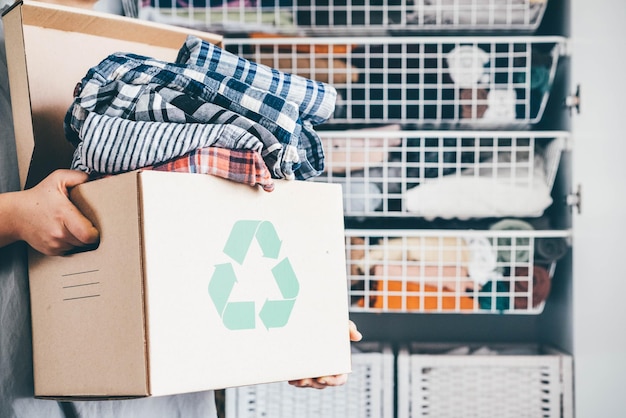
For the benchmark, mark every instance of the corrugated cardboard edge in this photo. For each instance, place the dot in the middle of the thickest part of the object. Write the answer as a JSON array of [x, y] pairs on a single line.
[[107, 25], [20, 97], [144, 279]]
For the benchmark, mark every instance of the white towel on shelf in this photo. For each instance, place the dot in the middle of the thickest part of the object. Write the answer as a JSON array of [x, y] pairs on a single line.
[[483, 264], [512, 190], [501, 105], [477, 12], [468, 66]]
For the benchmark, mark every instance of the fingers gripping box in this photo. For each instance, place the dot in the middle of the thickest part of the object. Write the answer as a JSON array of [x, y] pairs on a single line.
[[198, 283]]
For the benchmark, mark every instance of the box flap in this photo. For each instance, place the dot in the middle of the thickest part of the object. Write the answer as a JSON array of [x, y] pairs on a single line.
[[79, 20], [50, 48]]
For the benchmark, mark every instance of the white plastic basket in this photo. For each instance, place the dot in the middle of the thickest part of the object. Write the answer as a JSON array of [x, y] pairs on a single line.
[[504, 381], [505, 270], [347, 16], [443, 174], [369, 392], [477, 82]]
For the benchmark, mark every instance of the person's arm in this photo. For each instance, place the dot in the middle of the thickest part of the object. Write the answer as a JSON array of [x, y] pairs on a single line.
[[325, 381], [44, 217]]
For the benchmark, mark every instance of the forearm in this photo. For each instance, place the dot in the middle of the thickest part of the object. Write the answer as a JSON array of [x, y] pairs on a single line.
[[8, 218]]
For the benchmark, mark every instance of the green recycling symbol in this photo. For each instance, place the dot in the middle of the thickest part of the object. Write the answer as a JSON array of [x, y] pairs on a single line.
[[242, 315]]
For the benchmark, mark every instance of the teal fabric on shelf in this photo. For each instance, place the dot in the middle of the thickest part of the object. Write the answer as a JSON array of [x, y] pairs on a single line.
[[512, 250]]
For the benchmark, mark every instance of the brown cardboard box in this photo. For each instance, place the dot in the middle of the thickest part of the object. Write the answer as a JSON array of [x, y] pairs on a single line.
[[198, 282]]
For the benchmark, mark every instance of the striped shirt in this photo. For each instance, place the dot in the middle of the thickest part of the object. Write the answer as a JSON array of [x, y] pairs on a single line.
[[113, 145]]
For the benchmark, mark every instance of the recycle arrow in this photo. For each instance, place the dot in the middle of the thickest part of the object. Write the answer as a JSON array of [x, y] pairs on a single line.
[[244, 232], [275, 313], [221, 285], [286, 279], [241, 315]]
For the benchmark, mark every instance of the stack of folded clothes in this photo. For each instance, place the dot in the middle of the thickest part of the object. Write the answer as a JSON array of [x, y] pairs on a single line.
[[209, 112]]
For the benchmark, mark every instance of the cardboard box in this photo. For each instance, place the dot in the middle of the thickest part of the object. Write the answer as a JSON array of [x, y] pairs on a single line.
[[198, 282]]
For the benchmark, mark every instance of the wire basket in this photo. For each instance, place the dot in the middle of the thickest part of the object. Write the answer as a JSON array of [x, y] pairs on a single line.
[[504, 270], [347, 16], [443, 174], [504, 381], [369, 392], [459, 82]]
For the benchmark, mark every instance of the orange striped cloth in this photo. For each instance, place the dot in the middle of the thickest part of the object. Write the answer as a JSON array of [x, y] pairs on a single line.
[[242, 166]]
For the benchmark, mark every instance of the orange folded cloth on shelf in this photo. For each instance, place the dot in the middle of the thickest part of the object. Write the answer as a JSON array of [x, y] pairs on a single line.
[[428, 296], [333, 72], [302, 47]]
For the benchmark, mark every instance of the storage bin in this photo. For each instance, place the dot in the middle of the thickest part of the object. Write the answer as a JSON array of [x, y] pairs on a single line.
[[504, 381], [369, 392], [474, 82], [504, 270], [389, 172], [348, 16]]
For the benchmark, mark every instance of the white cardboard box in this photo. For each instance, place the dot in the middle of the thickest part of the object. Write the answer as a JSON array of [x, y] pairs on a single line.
[[198, 283]]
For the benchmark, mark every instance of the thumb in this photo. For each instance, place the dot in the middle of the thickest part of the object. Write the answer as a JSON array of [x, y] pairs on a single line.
[[80, 227], [76, 223], [71, 178]]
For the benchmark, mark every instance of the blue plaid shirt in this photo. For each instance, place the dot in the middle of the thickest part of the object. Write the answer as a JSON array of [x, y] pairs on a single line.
[[315, 100], [300, 152]]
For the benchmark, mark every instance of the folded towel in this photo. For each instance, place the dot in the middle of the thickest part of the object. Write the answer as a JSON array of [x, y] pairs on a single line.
[[412, 296], [541, 284], [549, 250], [512, 250]]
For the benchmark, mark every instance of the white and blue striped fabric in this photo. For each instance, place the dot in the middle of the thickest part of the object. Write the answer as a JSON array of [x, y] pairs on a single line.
[[114, 145]]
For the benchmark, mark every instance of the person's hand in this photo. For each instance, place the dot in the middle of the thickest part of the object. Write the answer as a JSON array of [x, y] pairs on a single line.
[[45, 218], [334, 380]]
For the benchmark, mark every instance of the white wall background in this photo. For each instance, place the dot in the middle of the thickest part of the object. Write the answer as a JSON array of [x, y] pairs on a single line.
[[598, 42]]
